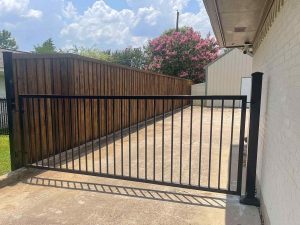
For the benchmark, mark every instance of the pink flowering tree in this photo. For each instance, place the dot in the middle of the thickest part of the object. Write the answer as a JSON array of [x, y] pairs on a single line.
[[183, 54]]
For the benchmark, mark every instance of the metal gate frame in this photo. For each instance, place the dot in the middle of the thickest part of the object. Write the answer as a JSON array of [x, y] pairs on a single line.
[[25, 100]]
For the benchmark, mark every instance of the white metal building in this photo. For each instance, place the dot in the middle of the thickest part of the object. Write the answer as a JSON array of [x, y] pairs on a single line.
[[224, 75], [229, 74]]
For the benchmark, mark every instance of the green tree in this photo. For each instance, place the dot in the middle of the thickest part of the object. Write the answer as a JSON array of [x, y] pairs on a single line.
[[92, 52], [47, 46], [182, 53], [133, 57], [7, 41]]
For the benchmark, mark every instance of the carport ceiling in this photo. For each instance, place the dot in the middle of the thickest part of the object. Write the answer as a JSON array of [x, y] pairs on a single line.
[[236, 21]]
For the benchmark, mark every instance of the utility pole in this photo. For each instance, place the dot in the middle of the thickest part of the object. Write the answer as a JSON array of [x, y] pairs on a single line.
[[177, 21]]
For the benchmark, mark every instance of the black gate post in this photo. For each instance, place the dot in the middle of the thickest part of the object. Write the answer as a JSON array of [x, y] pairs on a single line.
[[21, 124], [10, 97], [250, 198]]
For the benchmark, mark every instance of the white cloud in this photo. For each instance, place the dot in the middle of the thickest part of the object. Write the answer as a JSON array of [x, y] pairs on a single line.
[[32, 13], [106, 27], [166, 12], [178, 4], [19, 7], [101, 24], [199, 21], [69, 11], [150, 15], [169, 6], [13, 5]]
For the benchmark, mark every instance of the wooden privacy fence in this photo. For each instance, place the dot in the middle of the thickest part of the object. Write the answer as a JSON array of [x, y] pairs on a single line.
[[71, 75]]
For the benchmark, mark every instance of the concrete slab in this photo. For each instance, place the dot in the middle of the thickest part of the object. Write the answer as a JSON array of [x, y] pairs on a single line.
[[49, 197]]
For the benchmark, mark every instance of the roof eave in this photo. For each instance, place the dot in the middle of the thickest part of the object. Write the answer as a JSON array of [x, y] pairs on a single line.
[[211, 6]]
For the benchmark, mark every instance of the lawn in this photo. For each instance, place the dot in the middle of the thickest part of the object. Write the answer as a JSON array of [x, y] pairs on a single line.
[[4, 154]]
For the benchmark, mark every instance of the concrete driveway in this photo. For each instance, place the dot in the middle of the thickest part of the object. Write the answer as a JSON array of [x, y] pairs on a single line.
[[48, 197], [138, 159]]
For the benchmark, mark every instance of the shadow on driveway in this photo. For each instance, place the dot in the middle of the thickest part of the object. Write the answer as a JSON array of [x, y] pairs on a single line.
[[166, 196]]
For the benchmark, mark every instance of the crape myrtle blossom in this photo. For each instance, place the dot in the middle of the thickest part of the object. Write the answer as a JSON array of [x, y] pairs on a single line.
[[183, 53]]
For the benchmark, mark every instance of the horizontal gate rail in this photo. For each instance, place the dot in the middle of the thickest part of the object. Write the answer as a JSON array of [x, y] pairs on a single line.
[[167, 140], [170, 97]]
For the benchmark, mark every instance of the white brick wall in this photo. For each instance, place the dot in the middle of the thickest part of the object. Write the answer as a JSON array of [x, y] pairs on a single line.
[[278, 58]]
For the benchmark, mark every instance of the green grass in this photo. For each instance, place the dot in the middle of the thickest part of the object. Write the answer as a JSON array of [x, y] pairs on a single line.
[[4, 154]]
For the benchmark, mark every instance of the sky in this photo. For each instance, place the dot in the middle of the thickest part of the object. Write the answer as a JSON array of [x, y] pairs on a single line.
[[105, 24]]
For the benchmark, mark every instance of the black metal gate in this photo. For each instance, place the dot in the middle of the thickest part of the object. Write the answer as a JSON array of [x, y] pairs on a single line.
[[184, 141]]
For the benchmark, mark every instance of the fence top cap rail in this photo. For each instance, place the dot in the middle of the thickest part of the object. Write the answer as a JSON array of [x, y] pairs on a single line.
[[75, 56], [192, 97]]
